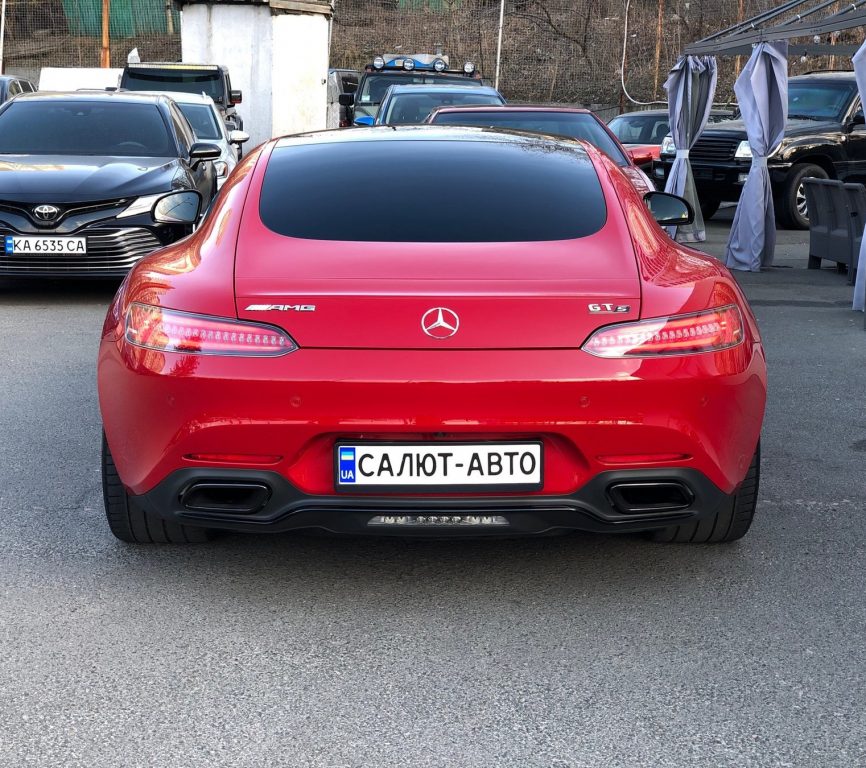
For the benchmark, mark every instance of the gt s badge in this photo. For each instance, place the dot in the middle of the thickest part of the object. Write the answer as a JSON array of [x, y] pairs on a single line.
[[281, 308], [609, 309]]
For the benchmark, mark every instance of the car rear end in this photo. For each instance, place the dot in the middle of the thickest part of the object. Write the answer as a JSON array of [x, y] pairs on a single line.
[[472, 381]]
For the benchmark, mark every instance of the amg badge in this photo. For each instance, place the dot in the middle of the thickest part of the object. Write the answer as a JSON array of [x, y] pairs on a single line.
[[281, 308]]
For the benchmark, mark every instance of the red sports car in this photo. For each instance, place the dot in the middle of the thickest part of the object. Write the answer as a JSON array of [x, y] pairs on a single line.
[[431, 331]]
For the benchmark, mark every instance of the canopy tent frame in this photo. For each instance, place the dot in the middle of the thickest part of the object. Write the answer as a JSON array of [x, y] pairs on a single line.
[[740, 38]]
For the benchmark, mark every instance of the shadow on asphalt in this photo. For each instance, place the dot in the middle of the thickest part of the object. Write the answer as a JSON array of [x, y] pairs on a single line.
[[26, 290]]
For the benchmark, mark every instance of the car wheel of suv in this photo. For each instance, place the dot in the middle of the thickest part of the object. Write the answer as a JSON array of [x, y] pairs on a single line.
[[731, 521], [709, 207], [791, 205], [130, 522]]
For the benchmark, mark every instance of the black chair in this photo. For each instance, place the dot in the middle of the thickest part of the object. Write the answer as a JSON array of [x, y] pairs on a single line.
[[818, 205], [856, 196], [840, 226]]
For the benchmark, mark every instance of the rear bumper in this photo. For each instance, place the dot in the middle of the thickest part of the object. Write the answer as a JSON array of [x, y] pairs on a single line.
[[597, 506]]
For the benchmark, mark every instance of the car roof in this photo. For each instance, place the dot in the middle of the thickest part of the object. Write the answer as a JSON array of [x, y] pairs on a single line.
[[180, 97], [119, 97], [830, 74], [427, 133], [513, 108], [443, 88]]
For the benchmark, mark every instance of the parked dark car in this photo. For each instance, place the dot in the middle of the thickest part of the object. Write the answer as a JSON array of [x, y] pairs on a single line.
[[92, 181], [411, 104], [825, 138], [210, 79], [11, 86]]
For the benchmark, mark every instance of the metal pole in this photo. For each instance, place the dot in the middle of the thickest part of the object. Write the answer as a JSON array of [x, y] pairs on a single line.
[[106, 50], [498, 44], [2, 36]]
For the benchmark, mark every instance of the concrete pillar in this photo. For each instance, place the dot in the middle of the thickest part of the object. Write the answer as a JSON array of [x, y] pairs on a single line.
[[276, 52]]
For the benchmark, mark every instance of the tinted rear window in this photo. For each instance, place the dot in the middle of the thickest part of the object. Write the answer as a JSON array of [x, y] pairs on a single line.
[[574, 125], [84, 128], [209, 83], [432, 191], [413, 108]]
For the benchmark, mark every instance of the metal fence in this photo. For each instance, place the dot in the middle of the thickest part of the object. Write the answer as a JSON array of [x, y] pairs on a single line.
[[565, 51]]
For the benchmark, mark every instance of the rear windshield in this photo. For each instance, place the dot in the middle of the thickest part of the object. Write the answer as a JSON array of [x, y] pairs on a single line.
[[373, 86], [203, 121], [413, 108], [84, 128], [432, 191], [574, 125], [208, 83]]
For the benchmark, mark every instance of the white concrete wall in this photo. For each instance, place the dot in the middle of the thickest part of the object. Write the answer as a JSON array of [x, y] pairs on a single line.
[[289, 51], [239, 36], [299, 73]]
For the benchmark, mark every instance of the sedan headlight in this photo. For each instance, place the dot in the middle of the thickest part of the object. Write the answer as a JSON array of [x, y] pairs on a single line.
[[744, 151], [668, 147], [141, 205]]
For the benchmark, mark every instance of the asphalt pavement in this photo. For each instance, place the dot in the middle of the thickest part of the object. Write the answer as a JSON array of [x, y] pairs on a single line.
[[289, 650]]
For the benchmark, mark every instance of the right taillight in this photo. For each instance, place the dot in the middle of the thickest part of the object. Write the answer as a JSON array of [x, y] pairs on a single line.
[[708, 331]]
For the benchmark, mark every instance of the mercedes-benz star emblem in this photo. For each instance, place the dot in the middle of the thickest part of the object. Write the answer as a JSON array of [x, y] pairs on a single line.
[[46, 212], [440, 323]]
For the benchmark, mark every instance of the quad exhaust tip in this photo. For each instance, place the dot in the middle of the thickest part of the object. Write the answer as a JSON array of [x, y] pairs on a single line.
[[650, 497], [226, 497]]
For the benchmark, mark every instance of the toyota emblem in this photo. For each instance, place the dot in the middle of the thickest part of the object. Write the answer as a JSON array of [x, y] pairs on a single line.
[[440, 323], [46, 212]]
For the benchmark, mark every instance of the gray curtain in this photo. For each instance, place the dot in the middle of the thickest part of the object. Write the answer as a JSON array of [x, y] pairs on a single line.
[[691, 86], [762, 95], [859, 62]]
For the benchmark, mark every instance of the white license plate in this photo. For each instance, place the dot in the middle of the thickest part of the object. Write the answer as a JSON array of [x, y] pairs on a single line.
[[71, 245], [443, 466]]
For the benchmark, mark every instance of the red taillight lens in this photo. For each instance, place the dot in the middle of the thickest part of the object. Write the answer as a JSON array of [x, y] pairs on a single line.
[[168, 330], [708, 331]]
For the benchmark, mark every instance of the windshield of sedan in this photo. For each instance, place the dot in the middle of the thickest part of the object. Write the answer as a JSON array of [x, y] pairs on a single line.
[[208, 83], [203, 121], [815, 100], [572, 125], [459, 191], [373, 86], [413, 108], [640, 129], [84, 128]]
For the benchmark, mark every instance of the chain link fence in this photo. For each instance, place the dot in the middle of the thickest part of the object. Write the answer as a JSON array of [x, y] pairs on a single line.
[[560, 51]]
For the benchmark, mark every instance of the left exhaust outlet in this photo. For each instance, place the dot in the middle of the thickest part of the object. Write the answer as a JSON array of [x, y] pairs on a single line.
[[227, 497]]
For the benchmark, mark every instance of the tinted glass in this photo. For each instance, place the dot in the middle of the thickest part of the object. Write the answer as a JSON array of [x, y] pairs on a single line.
[[84, 128], [208, 83], [818, 100], [640, 129], [413, 108], [202, 120], [374, 86], [571, 124], [432, 191]]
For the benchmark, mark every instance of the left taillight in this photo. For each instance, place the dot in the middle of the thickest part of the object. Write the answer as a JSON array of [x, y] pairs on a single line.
[[168, 330], [709, 331]]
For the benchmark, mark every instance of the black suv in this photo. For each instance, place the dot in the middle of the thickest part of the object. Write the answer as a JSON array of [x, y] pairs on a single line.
[[91, 181], [211, 79], [825, 137]]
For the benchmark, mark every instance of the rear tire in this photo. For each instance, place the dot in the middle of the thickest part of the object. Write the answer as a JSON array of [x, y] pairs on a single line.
[[709, 207], [790, 204], [730, 522], [129, 522]]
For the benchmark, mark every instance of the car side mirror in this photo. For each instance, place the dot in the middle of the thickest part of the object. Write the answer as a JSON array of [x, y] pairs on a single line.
[[236, 97], [199, 152], [669, 210], [346, 99], [178, 207], [365, 120], [239, 137], [857, 119], [640, 155]]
